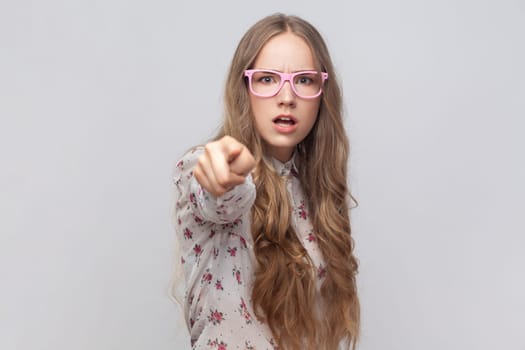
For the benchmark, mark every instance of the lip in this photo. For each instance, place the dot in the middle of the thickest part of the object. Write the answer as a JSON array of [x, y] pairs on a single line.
[[285, 128]]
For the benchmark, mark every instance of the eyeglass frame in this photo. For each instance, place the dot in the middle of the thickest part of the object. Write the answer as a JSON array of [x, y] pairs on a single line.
[[285, 77]]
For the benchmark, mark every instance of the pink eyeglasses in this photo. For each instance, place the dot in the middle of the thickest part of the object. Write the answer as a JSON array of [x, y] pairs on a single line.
[[268, 83]]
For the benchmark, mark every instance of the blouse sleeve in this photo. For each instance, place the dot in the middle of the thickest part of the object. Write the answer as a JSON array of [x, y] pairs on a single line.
[[190, 195]]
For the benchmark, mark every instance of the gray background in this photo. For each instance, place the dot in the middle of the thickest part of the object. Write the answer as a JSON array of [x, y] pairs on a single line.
[[98, 99]]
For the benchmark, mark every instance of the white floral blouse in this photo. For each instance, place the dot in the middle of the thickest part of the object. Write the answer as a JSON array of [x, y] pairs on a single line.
[[218, 259]]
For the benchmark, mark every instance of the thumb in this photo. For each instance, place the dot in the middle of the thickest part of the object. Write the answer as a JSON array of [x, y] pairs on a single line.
[[233, 153], [243, 163]]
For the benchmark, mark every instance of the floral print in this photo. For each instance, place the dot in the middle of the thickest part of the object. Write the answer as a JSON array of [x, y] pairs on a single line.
[[207, 277], [188, 234], [245, 314], [301, 211], [232, 251], [215, 344], [321, 272], [218, 259], [215, 317], [237, 275], [218, 285], [197, 249]]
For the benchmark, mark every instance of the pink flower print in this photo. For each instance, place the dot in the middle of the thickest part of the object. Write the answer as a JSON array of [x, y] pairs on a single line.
[[179, 221], [311, 237], [243, 310], [190, 299], [188, 234], [217, 345], [192, 322], [198, 219], [207, 277], [321, 272], [232, 225], [197, 249], [193, 199], [302, 212], [218, 285], [182, 261], [180, 164], [232, 251], [243, 242], [215, 252], [215, 317], [237, 275], [243, 305], [220, 209], [212, 233]]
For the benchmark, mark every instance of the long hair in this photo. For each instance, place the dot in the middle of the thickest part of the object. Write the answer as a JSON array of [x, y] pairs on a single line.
[[284, 288]]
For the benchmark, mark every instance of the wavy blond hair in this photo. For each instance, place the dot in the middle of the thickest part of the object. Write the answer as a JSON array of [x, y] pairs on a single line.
[[284, 289]]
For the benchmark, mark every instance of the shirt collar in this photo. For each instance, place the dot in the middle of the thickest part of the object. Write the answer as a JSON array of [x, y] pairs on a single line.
[[287, 168]]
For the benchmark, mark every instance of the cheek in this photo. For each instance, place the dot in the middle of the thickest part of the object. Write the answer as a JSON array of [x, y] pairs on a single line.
[[312, 110], [253, 105], [258, 109]]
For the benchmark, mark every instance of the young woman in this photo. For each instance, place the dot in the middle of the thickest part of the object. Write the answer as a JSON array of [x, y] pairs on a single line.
[[262, 211]]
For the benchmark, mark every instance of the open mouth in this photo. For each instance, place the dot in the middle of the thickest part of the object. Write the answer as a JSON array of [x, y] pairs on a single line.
[[282, 120]]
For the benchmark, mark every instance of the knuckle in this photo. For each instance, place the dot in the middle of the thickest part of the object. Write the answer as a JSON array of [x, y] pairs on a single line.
[[218, 190], [223, 180], [208, 147]]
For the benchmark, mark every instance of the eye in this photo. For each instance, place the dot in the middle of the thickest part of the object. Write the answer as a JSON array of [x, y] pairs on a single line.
[[266, 79], [305, 79]]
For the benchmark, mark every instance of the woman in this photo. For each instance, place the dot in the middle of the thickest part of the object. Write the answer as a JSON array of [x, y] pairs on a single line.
[[262, 211]]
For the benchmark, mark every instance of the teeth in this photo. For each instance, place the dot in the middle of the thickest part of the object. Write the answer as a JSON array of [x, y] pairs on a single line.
[[284, 120]]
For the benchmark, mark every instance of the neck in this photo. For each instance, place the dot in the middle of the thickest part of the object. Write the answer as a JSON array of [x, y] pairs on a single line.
[[281, 154]]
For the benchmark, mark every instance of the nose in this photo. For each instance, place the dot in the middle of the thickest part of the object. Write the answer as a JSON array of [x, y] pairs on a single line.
[[286, 96]]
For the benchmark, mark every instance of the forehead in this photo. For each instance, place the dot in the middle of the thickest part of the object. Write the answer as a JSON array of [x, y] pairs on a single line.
[[286, 52]]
